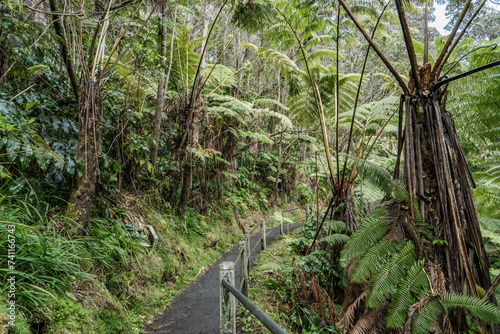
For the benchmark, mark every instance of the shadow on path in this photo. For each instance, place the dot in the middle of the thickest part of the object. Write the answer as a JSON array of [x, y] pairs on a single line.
[[196, 309]]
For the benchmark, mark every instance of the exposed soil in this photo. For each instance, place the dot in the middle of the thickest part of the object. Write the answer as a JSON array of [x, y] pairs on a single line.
[[196, 309]]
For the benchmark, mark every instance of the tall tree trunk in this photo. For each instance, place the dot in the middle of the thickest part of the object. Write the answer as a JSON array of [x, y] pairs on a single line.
[[65, 52], [89, 145], [440, 181], [193, 115], [162, 83]]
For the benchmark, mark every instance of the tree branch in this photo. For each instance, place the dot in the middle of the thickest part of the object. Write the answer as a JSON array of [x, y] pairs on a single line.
[[459, 76], [409, 45], [377, 50], [439, 62], [448, 54], [75, 84]]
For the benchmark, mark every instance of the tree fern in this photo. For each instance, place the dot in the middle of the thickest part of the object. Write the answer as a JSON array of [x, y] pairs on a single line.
[[415, 282], [374, 259], [473, 305], [384, 283], [371, 229]]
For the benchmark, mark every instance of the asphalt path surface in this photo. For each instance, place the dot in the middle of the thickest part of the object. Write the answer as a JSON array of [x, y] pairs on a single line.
[[196, 309]]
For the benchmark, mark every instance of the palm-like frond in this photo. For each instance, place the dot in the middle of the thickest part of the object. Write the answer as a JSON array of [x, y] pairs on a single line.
[[426, 318], [473, 305], [415, 282], [371, 229], [336, 239], [385, 282], [374, 259]]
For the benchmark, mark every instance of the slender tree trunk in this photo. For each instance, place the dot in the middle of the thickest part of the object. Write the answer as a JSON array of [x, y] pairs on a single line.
[[193, 119], [4, 49], [187, 181], [89, 145], [65, 52], [162, 83], [278, 169]]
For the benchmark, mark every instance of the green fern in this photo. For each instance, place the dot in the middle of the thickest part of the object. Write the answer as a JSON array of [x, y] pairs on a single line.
[[384, 283], [335, 226], [415, 283], [423, 321], [400, 194], [336, 239], [473, 305], [374, 259], [371, 229]]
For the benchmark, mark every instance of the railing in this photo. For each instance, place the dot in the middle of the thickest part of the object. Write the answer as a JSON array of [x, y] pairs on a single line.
[[229, 294]]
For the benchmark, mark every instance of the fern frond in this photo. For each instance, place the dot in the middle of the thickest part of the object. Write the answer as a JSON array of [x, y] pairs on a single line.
[[473, 305], [374, 259], [491, 224], [426, 318], [370, 322], [384, 283], [414, 283], [336, 239], [371, 229], [335, 226]]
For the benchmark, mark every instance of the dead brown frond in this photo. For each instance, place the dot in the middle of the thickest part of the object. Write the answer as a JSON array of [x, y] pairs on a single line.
[[396, 231], [437, 279], [316, 298], [372, 321], [353, 305], [411, 311]]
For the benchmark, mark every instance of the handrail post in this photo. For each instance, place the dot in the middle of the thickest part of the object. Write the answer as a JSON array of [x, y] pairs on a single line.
[[281, 222], [263, 235], [227, 300], [247, 241], [244, 268]]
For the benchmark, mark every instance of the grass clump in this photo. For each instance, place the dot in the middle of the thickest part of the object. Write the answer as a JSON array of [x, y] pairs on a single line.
[[110, 280]]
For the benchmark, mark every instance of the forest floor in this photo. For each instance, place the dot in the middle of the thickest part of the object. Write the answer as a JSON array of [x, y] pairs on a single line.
[[196, 309]]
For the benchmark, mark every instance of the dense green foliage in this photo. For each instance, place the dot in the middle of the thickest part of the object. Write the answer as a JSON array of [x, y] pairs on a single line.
[[188, 115]]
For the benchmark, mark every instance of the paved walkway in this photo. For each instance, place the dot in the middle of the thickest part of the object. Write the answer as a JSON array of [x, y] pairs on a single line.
[[196, 309]]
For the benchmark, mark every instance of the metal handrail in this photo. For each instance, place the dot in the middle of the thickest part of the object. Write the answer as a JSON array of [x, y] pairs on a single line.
[[240, 253], [291, 210], [227, 276], [256, 244], [266, 320], [272, 230], [255, 227]]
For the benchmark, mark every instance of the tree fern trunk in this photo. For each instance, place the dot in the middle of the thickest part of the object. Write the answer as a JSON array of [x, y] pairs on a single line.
[[439, 180]]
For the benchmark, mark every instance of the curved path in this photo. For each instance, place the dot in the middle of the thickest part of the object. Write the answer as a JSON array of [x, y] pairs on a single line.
[[196, 309]]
